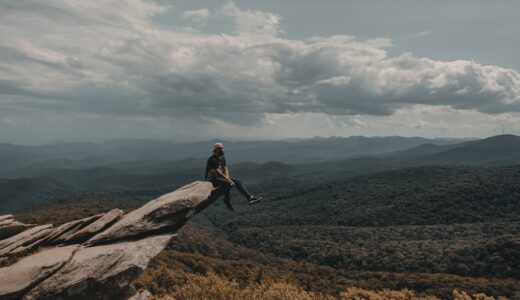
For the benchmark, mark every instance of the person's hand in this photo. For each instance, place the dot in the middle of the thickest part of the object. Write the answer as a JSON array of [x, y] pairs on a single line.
[[231, 183]]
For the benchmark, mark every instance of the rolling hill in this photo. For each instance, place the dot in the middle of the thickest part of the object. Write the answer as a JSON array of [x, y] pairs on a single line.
[[496, 150]]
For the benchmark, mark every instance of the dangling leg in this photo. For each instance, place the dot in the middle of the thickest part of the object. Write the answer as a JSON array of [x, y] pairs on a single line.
[[241, 188], [252, 199], [223, 183]]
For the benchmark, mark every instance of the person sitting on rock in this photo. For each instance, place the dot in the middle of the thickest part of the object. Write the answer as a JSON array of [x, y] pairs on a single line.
[[218, 174]]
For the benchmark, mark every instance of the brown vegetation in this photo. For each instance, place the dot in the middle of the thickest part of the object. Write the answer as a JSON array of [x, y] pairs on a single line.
[[212, 286]]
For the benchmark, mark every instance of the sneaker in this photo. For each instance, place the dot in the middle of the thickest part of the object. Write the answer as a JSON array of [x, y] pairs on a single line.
[[227, 201], [254, 199]]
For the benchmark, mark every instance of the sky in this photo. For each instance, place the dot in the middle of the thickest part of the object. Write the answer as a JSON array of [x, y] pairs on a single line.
[[246, 70]]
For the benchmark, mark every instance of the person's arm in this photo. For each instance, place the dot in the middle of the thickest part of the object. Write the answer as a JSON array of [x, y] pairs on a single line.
[[226, 171], [218, 172]]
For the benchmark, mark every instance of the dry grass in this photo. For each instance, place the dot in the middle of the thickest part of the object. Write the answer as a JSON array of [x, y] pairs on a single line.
[[212, 286]]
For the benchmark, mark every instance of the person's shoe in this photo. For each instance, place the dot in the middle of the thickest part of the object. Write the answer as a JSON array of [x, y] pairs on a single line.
[[227, 201], [254, 199]]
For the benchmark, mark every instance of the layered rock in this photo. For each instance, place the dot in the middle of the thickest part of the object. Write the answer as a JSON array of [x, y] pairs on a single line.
[[168, 212], [100, 272], [61, 233], [30, 271], [9, 226], [24, 241], [118, 249], [97, 226]]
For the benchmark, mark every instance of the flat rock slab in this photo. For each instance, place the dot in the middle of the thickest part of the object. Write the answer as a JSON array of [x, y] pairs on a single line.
[[29, 271], [64, 231], [5, 217], [10, 227], [25, 238], [95, 227], [170, 211], [101, 272]]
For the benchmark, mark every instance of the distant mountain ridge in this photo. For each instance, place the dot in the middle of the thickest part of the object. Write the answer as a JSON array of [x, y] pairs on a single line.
[[65, 176], [17, 160], [496, 150]]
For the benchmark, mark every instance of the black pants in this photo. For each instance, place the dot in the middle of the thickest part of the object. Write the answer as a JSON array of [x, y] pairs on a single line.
[[222, 182]]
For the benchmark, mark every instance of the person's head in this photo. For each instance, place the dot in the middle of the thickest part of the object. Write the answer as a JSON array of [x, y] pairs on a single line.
[[218, 149]]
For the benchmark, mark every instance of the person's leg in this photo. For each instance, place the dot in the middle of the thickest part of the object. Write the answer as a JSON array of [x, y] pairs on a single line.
[[241, 187], [224, 184]]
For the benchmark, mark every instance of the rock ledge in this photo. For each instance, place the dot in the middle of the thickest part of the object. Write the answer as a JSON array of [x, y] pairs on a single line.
[[97, 257]]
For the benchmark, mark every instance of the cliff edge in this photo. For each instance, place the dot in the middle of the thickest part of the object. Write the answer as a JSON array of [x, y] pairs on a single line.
[[96, 257]]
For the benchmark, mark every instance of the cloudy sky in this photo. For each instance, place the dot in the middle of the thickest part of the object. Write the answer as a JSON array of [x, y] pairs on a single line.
[[193, 70]]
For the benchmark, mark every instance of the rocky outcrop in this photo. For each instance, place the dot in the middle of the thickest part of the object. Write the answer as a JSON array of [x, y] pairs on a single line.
[[9, 226], [60, 234], [99, 272], [97, 226], [168, 212], [30, 271], [97, 257], [24, 241]]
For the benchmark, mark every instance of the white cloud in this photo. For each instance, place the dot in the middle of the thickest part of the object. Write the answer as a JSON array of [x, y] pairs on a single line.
[[198, 15], [8, 120], [251, 21], [108, 57]]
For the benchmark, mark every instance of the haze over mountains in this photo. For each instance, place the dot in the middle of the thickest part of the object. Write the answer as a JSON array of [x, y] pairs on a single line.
[[17, 159], [140, 166]]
